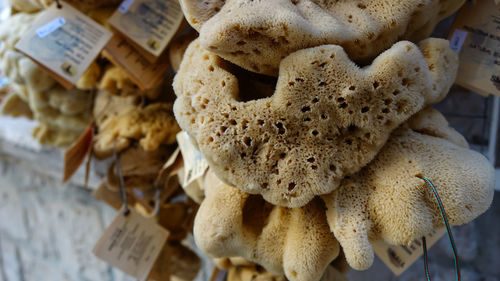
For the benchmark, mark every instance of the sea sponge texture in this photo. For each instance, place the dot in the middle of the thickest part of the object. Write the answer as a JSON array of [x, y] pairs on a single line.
[[151, 125], [29, 6], [388, 199], [231, 223], [326, 119], [256, 35]]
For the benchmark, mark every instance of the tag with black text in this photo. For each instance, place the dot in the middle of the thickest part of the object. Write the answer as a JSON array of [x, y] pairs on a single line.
[[64, 41], [145, 74], [149, 24], [132, 244], [399, 258], [475, 35]]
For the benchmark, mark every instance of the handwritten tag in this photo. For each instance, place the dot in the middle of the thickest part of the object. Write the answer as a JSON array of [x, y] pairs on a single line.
[[149, 24], [64, 41], [479, 67], [399, 258], [143, 73], [50, 27], [458, 39], [125, 5], [195, 164], [132, 244], [75, 154]]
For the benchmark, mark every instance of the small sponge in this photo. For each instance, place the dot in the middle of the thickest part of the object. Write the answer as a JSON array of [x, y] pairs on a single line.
[[151, 125], [29, 6], [326, 119], [116, 81], [232, 223], [256, 35], [388, 199]]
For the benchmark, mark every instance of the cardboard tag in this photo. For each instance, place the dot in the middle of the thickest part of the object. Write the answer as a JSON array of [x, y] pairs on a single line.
[[162, 268], [165, 179], [399, 258], [75, 154], [477, 30], [195, 164], [132, 244], [143, 73], [149, 24], [112, 198], [64, 41]]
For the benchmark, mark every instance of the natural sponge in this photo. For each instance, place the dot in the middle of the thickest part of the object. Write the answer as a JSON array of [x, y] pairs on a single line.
[[295, 242], [29, 6], [388, 199], [151, 125], [326, 119], [256, 35], [116, 81]]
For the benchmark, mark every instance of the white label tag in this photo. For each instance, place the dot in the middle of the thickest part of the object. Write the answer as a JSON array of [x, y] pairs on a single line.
[[457, 39], [64, 41], [195, 164], [125, 5], [50, 27], [399, 258], [479, 58], [150, 24], [132, 244]]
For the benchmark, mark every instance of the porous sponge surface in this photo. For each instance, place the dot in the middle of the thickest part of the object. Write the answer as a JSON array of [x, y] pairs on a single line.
[[326, 119], [292, 242], [388, 200], [258, 34]]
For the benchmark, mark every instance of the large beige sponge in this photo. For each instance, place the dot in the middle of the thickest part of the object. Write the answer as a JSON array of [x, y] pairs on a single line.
[[388, 200], [256, 35], [294, 242], [326, 119]]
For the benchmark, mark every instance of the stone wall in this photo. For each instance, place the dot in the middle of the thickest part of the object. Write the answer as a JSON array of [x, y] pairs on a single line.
[[47, 229]]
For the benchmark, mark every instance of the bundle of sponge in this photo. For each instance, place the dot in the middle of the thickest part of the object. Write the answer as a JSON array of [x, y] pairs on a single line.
[[323, 156]]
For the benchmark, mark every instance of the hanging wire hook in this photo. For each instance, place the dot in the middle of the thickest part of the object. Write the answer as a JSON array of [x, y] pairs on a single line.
[[448, 230], [121, 182]]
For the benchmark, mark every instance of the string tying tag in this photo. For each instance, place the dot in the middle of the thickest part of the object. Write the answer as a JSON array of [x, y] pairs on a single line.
[[121, 182], [448, 230]]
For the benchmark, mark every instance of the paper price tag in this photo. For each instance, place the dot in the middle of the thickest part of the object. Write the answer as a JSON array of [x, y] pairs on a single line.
[[145, 74], [65, 42], [476, 33], [399, 258], [132, 244], [112, 198], [195, 164], [148, 24]]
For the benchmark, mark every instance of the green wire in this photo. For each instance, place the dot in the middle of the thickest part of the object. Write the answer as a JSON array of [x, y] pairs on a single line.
[[448, 230]]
